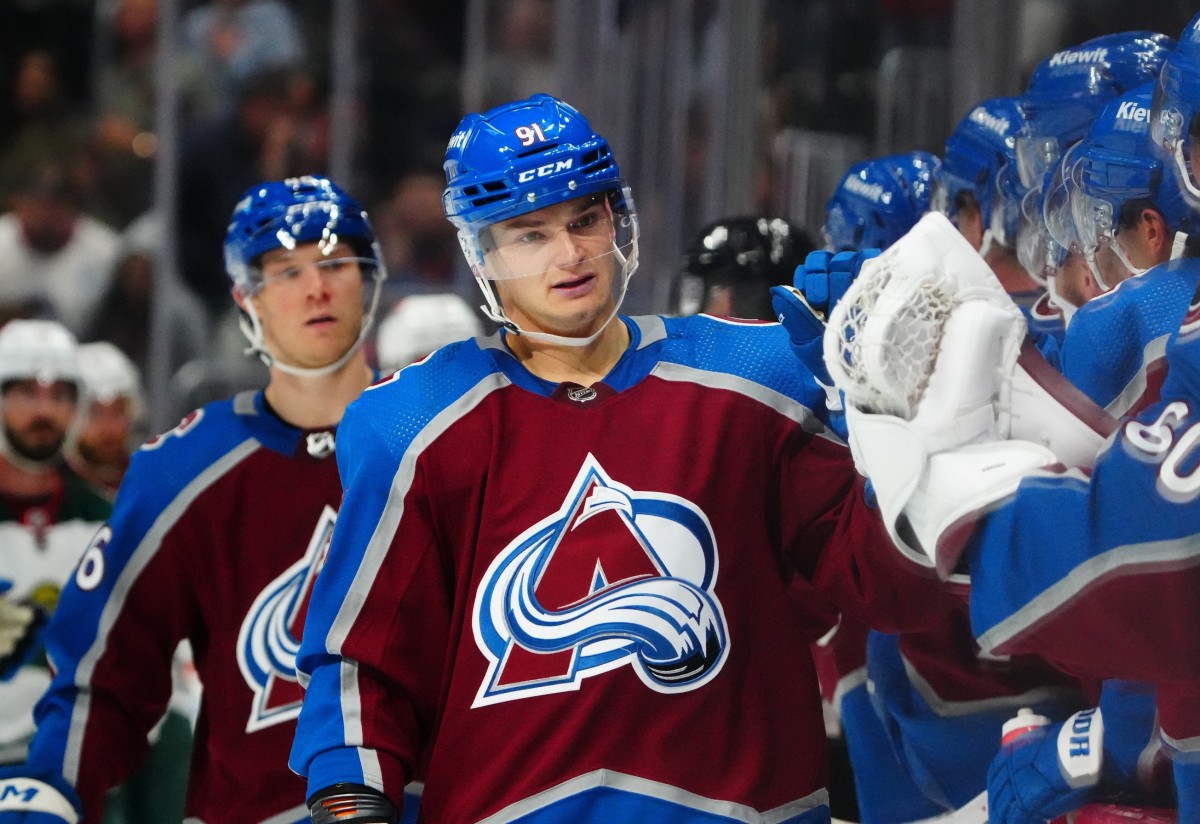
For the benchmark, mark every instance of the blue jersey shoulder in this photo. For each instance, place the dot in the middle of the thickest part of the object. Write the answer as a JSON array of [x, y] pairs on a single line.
[[1107, 338], [393, 412], [752, 350]]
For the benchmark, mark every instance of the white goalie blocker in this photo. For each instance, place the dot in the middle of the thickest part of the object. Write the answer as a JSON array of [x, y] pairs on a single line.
[[946, 413]]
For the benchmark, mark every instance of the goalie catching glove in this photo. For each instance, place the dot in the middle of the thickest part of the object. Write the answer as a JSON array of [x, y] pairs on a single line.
[[943, 415]]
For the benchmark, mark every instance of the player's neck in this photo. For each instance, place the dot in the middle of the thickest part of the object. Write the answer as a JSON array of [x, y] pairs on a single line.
[[314, 402], [21, 483], [583, 365], [1009, 271]]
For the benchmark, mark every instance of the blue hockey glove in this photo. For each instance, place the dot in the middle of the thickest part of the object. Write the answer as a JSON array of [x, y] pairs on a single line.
[[1048, 771], [802, 308], [25, 799]]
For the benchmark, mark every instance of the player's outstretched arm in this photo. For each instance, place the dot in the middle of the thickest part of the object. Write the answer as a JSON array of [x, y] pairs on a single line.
[[943, 415]]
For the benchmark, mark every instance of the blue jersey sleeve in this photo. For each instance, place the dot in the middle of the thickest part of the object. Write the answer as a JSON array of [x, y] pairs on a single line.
[[1098, 573], [123, 613], [385, 551]]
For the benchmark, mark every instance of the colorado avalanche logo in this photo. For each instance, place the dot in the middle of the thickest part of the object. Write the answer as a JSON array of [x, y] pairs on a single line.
[[270, 635], [615, 577]]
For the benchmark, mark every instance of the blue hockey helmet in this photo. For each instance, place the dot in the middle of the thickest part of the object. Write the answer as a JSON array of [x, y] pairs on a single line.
[[878, 201], [524, 156], [286, 213], [1175, 112], [1118, 163], [1068, 90], [975, 151]]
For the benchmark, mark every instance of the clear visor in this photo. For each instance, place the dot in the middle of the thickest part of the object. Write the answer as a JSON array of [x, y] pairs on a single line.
[[841, 232], [1038, 253], [1035, 155], [1175, 126], [940, 196], [1095, 223], [579, 233], [1056, 209]]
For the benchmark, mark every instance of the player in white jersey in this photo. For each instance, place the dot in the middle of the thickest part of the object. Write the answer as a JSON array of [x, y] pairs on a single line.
[[47, 514]]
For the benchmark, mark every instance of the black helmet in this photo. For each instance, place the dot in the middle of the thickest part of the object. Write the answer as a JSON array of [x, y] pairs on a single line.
[[744, 255]]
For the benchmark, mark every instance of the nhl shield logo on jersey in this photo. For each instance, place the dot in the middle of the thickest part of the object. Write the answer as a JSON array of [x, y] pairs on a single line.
[[270, 635], [615, 577]]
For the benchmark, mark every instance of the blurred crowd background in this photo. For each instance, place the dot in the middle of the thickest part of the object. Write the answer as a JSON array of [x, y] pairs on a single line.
[[128, 128]]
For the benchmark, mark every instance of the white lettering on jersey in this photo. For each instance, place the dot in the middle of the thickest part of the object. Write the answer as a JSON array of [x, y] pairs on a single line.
[[616, 577], [270, 635], [1174, 448]]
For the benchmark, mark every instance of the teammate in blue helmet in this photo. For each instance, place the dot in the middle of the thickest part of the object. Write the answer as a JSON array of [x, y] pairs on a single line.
[[517, 159], [975, 151], [879, 200], [1068, 89], [732, 263], [271, 220], [965, 189], [214, 540], [1175, 112], [1128, 210]]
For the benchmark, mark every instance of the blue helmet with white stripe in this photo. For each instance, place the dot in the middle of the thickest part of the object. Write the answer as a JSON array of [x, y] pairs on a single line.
[[877, 201], [282, 214]]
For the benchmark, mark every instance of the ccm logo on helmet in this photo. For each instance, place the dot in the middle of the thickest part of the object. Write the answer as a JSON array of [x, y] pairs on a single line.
[[545, 171]]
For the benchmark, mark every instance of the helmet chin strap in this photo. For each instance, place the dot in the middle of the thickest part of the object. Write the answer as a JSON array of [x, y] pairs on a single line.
[[252, 328], [495, 311], [1063, 305]]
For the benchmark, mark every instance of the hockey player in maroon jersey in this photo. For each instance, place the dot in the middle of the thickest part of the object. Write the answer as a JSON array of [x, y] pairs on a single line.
[[216, 536], [561, 588]]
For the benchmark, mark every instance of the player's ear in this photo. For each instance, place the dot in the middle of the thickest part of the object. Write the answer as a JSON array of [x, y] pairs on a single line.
[[239, 298], [1156, 229]]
